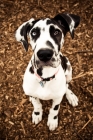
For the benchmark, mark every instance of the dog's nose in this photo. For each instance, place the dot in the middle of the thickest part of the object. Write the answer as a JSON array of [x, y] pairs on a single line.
[[45, 54]]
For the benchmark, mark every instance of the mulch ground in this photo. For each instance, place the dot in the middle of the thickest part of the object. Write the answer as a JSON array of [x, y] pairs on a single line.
[[15, 108]]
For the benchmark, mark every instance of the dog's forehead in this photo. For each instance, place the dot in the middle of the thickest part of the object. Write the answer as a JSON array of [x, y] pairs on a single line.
[[45, 23]]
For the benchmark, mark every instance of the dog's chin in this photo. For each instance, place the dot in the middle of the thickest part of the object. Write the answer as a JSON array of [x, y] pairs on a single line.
[[48, 64]]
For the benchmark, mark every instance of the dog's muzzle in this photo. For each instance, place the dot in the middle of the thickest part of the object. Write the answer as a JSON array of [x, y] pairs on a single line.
[[45, 55]]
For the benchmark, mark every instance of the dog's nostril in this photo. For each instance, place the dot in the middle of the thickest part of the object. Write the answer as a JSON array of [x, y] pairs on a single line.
[[45, 55]]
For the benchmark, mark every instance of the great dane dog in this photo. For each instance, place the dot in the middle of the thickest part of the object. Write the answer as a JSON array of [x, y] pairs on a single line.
[[48, 72]]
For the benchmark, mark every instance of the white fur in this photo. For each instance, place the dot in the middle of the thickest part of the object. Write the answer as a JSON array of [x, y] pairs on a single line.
[[72, 24], [37, 107], [32, 87], [54, 89]]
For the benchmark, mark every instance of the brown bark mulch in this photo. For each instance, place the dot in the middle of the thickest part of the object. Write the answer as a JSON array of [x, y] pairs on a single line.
[[15, 108]]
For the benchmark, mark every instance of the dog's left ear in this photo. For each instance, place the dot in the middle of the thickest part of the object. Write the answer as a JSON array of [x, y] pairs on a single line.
[[68, 21], [22, 31]]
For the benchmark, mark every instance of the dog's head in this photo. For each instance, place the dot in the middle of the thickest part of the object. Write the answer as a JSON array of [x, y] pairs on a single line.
[[47, 37]]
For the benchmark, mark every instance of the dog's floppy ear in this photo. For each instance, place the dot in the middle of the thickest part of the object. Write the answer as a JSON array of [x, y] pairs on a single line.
[[68, 21], [22, 31]]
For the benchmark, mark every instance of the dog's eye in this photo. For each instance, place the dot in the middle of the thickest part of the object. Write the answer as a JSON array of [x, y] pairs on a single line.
[[34, 33], [56, 32]]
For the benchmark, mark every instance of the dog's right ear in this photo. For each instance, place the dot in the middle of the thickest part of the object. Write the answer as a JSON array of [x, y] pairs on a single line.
[[22, 31]]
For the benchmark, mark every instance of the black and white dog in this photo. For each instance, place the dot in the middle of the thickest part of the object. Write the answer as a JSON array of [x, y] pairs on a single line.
[[48, 72]]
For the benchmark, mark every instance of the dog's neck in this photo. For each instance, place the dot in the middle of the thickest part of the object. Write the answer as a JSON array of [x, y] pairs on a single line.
[[46, 72]]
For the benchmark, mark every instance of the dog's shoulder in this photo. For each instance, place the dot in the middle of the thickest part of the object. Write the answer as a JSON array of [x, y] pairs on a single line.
[[65, 63]]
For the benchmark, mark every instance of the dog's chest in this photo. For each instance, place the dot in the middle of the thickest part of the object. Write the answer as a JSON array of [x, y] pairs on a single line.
[[45, 90]]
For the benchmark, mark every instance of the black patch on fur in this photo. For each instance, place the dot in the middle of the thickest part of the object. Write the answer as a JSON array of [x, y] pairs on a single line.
[[39, 71], [36, 113], [56, 38], [51, 21], [33, 97], [48, 79], [37, 32], [55, 117], [53, 59], [63, 62], [26, 28], [56, 107], [25, 43], [50, 44], [34, 48], [34, 62], [37, 62], [31, 70], [54, 22], [62, 23], [35, 21]]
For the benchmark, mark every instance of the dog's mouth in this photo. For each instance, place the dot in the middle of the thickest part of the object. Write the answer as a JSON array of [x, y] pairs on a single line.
[[44, 64], [51, 63]]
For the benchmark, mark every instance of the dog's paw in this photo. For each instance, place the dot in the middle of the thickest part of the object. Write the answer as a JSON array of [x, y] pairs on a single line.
[[36, 117], [72, 98], [52, 123]]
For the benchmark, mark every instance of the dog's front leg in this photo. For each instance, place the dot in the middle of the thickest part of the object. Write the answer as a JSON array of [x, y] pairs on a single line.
[[71, 97], [53, 114], [37, 112]]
